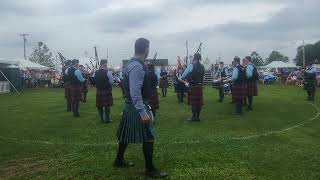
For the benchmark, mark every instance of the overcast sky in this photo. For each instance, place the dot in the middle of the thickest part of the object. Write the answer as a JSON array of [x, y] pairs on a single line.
[[226, 27]]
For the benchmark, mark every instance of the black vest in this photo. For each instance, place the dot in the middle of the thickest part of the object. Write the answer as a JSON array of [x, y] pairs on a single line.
[[72, 77], [163, 74], [310, 76], [197, 74], [145, 89], [241, 75], [223, 73], [102, 80]]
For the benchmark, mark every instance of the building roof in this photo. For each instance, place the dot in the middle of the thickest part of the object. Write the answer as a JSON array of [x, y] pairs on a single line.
[[158, 62]]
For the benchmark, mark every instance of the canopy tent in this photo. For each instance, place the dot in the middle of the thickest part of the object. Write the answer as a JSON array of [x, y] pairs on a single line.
[[279, 64], [26, 64]]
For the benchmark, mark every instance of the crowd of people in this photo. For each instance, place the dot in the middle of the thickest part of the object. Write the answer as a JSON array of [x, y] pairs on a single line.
[[140, 82], [39, 78]]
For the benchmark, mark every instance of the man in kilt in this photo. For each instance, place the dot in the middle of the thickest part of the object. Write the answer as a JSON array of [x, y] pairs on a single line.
[[223, 74], [136, 125], [154, 98], [194, 75], [66, 81], [179, 86], [104, 80], [76, 79], [164, 83], [310, 83], [84, 86], [252, 77], [239, 91]]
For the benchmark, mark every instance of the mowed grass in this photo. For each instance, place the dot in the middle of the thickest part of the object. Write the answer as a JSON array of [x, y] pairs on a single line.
[[39, 140]]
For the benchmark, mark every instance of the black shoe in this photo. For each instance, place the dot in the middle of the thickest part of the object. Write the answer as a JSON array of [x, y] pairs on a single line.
[[220, 100], [122, 164], [249, 109], [156, 174], [76, 115], [193, 119], [107, 122], [232, 102], [84, 101], [68, 110]]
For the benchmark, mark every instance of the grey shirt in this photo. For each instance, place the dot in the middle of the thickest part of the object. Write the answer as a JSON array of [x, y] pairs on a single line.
[[135, 72]]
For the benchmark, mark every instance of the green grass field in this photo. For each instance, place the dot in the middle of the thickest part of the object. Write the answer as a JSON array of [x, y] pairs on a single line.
[[279, 140]]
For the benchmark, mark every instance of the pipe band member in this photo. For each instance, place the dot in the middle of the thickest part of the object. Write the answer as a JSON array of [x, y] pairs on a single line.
[[154, 98], [136, 125], [66, 81], [239, 91], [104, 100], [75, 78], [164, 82], [252, 77], [223, 74], [310, 83], [195, 75], [180, 86]]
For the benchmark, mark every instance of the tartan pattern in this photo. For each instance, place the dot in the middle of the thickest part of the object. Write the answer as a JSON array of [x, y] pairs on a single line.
[[154, 101], [239, 91], [252, 88], [131, 129], [195, 95], [67, 94], [104, 98], [75, 92], [164, 83]]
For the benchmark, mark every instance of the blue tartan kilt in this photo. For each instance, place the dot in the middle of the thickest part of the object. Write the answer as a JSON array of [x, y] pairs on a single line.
[[131, 129]]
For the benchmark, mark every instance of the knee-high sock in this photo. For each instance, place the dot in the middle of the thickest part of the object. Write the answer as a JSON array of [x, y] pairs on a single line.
[[107, 113], [76, 108], [239, 105], [69, 104], [221, 94], [100, 111], [165, 92], [162, 89], [148, 155], [199, 108], [84, 96], [121, 149], [250, 101], [194, 111]]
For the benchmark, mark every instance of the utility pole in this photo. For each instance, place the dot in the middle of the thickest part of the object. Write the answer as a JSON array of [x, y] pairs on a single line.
[[24, 44], [107, 54], [304, 55], [187, 52]]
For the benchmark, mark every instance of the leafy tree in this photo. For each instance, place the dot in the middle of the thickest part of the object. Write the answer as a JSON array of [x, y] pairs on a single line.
[[257, 59], [312, 54], [277, 56], [42, 55]]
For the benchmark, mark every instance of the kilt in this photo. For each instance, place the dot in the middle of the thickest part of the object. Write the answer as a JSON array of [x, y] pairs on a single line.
[[154, 101], [252, 88], [131, 129], [67, 91], [164, 83], [239, 91], [195, 95], [75, 92], [104, 98]]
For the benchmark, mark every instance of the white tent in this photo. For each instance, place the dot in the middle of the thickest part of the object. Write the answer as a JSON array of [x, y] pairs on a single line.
[[279, 64], [26, 64]]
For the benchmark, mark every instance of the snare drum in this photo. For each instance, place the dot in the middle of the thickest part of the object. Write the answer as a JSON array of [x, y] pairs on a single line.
[[226, 89], [216, 83]]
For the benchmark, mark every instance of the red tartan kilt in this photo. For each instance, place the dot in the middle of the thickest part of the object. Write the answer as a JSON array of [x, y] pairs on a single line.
[[75, 92], [164, 83], [104, 98], [67, 92], [239, 91], [154, 101], [252, 89], [195, 95]]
